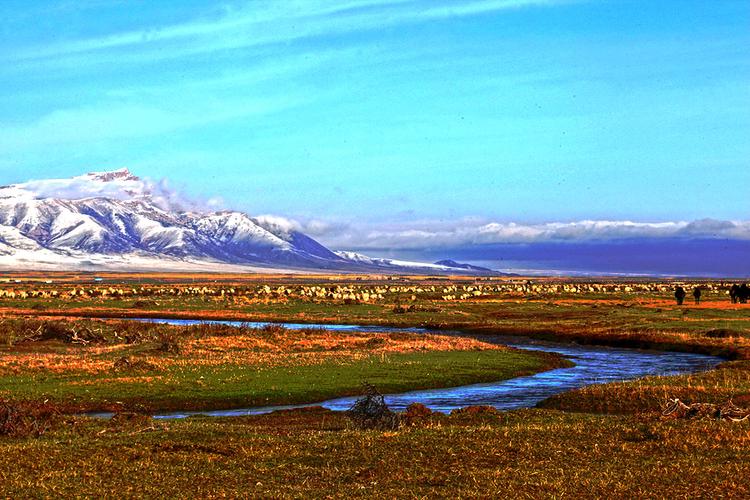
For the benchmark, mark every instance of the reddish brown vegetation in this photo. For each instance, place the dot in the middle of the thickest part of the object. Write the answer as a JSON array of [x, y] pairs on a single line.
[[26, 419]]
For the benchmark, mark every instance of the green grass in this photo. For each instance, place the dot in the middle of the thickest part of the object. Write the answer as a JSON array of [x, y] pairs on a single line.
[[523, 454], [228, 386], [219, 366]]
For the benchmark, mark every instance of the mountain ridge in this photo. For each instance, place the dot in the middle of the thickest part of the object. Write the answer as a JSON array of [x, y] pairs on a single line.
[[117, 219]]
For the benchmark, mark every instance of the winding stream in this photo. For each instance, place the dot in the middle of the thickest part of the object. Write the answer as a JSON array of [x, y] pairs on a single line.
[[593, 365]]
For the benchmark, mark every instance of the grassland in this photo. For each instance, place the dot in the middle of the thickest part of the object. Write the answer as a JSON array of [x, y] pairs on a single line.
[[729, 381], [603, 440], [144, 367], [623, 313], [521, 454]]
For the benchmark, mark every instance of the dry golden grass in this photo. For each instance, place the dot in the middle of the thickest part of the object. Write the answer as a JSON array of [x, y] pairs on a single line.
[[730, 381], [316, 454], [244, 347]]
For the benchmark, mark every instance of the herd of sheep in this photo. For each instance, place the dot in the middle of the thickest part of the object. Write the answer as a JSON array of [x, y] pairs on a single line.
[[364, 293]]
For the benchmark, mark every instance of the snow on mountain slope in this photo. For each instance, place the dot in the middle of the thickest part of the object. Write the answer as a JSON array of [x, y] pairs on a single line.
[[459, 265], [75, 230], [14, 239], [446, 266], [119, 220], [356, 257], [237, 230]]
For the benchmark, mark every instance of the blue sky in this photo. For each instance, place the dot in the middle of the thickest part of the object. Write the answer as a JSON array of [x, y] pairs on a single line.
[[383, 112]]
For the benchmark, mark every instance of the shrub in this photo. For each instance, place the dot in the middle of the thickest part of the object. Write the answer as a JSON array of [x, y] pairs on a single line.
[[27, 419], [723, 333], [371, 412], [169, 343]]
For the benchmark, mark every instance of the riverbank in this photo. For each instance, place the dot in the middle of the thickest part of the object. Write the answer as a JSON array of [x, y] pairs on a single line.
[[647, 321], [132, 366], [729, 381]]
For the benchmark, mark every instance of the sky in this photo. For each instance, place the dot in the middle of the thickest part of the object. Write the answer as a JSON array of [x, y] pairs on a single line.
[[368, 118]]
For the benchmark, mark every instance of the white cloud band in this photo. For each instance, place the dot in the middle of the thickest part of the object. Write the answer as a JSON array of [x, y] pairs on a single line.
[[466, 232]]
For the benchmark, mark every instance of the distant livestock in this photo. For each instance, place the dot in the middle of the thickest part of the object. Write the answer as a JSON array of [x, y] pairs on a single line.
[[734, 293], [372, 293], [739, 293], [679, 295]]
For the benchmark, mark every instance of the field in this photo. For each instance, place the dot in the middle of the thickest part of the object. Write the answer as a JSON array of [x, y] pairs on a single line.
[[601, 440], [527, 454], [137, 366]]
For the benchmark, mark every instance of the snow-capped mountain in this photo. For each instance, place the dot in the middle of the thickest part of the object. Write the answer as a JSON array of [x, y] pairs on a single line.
[[117, 220]]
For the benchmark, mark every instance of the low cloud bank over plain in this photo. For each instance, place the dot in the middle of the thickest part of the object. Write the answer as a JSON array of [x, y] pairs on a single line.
[[472, 232], [706, 247], [346, 235]]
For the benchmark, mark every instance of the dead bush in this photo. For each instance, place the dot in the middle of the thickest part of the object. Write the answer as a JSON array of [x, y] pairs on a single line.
[[371, 412], [375, 342], [273, 329], [130, 420], [69, 332], [724, 333], [675, 408], [476, 410], [169, 343]]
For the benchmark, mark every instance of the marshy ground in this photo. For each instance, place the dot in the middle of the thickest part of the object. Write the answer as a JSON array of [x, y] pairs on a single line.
[[610, 439]]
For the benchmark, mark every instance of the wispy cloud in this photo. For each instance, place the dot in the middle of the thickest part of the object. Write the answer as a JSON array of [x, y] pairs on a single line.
[[123, 120], [276, 22], [264, 69], [178, 101]]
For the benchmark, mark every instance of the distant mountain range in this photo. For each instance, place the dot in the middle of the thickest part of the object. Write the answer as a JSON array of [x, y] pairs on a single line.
[[458, 265], [117, 221]]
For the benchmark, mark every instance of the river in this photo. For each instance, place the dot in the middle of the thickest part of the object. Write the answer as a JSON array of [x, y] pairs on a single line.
[[593, 365]]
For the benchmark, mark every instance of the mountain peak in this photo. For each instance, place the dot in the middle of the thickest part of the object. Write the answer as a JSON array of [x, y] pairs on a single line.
[[114, 219], [115, 184], [122, 174]]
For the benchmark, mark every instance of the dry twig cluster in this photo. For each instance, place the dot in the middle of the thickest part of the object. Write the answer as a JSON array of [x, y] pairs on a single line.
[[371, 412], [725, 411], [69, 333]]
